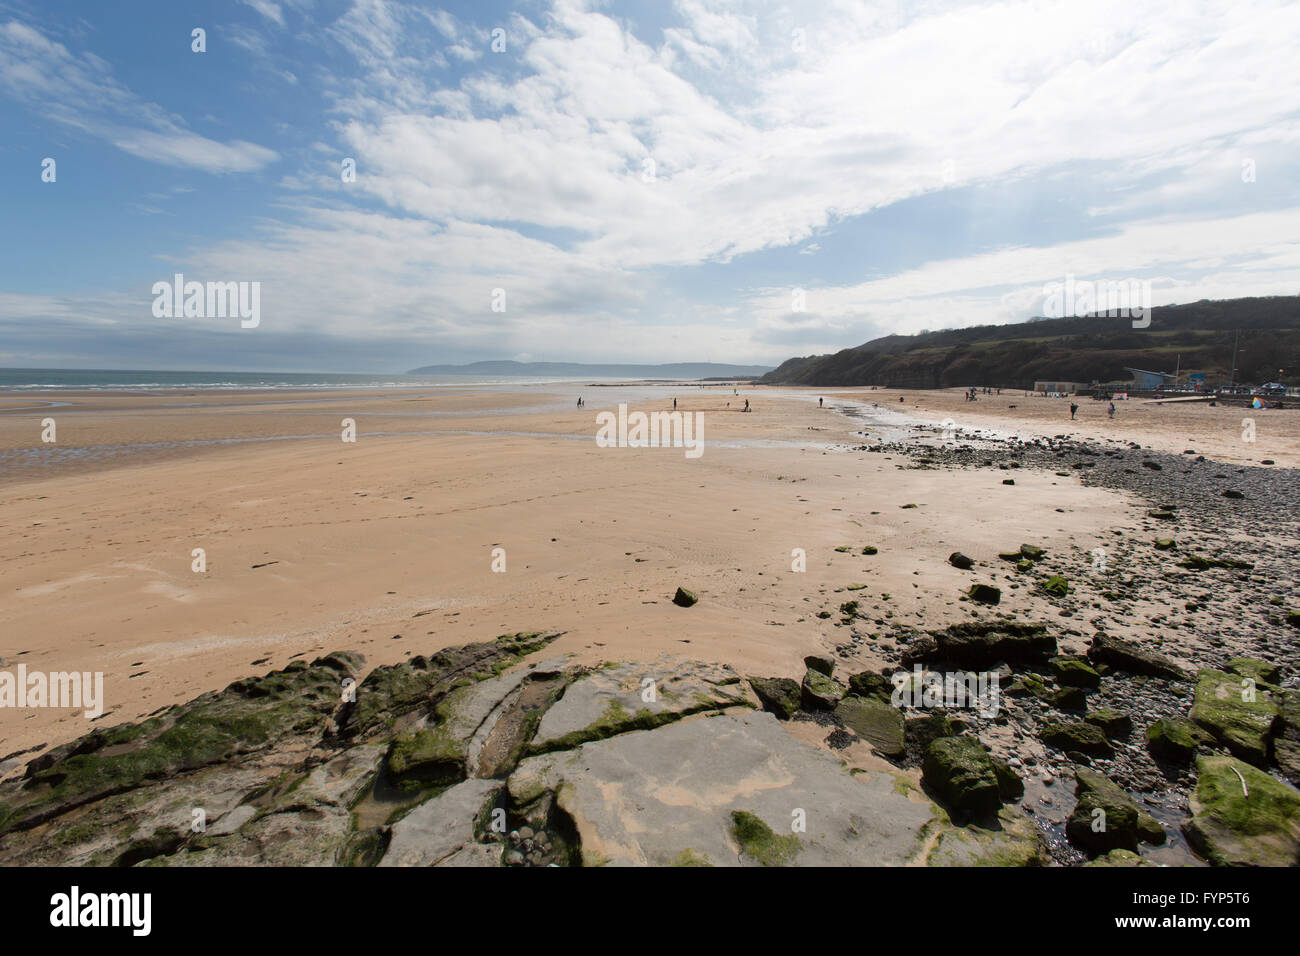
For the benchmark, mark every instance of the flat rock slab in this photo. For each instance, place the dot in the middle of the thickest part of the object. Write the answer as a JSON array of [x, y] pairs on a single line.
[[442, 828], [666, 797], [617, 698]]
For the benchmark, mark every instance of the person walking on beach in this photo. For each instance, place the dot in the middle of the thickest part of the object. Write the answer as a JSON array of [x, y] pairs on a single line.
[[1111, 410], [674, 404], [1073, 408], [821, 402], [746, 404]]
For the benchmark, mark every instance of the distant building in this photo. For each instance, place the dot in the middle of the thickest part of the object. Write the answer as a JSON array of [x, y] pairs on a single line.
[[1147, 381], [1058, 387]]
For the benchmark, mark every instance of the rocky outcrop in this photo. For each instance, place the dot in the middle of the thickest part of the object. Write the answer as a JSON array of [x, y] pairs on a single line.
[[1243, 817], [1126, 656]]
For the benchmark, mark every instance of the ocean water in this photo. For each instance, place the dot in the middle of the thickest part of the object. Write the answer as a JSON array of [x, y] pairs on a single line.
[[40, 379]]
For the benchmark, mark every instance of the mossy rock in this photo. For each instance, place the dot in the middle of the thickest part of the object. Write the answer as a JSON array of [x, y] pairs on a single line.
[[820, 692], [1069, 698], [1161, 515], [685, 598], [427, 756], [1115, 724], [1024, 565], [1222, 706], [760, 843], [1077, 736], [1175, 740], [1056, 585], [821, 663], [1032, 552], [1241, 816], [870, 550], [1074, 672], [1261, 672], [778, 695], [1028, 686], [1293, 618], [985, 593], [1009, 555], [877, 722], [1165, 544], [1105, 818], [963, 775], [870, 684]]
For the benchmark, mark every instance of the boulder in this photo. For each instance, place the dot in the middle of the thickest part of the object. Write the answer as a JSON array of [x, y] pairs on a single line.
[[778, 695], [959, 560], [1115, 724], [1241, 816], [822, 663], [1175, 740], [1286, 743], [1056, 585], [981, 645], [962, 773], [1127, 656], [985, 593], [1074, 672], [869, 684], [1105, 818], [875, 721], [684, 598], [820, 692], [1237, 713], [1032, 552], [1078, 737]]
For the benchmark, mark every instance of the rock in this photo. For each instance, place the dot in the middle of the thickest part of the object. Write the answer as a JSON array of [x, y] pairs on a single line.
[[1165, 544], [1009, 555], [1010, 786], [1069, 698], [961, 772], [1115, 724], [821, 663], [1259, 671], [778, 695], [870, 550], [616, 699], [684, 598], [1105, 817], [441, 826], [623, 812], [1175, 740], [1230, 493], [1056, 585], [1286, 743], [1293, 618], [877, 722], [1161, 515], [959, 560], [985, 593], [1074, 672], [1243, 817], [1223, 706], [868, 684], [1076, 736], [1008, 481], [1032, 552], [428, 756], [820, 692], [981, 645], [1028, 686], [1126, 656]]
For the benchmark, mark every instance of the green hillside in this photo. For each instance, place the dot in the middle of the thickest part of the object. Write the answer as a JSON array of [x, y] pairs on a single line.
[[1074, 349]]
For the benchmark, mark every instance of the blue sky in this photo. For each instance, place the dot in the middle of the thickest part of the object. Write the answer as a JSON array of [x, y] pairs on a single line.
[[645, 181]]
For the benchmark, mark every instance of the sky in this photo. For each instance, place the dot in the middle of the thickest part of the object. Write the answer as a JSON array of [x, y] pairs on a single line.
[[697, 180]]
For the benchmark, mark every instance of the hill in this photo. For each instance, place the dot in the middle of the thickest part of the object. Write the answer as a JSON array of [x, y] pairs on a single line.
[[1197, 337]]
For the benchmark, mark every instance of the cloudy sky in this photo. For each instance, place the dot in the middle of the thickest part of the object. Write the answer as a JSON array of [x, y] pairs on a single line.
[[646, 181]]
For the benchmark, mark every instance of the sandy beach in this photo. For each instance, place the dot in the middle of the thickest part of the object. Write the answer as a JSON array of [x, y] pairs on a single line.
[[386, 544]]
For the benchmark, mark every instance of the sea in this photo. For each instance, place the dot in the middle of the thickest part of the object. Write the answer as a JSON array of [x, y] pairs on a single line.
[[82, 379]]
